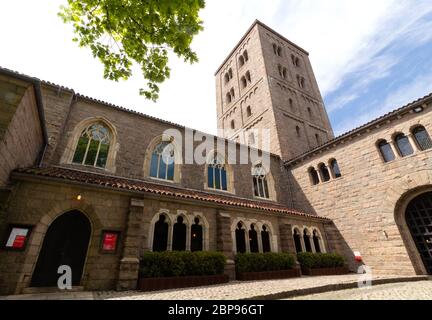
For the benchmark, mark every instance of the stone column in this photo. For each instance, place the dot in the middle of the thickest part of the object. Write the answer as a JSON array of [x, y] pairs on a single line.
[[225, 242], [286, 238], [129, 264]]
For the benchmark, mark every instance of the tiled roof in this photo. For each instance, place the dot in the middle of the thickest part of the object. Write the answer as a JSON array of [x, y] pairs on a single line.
[[136, 185]]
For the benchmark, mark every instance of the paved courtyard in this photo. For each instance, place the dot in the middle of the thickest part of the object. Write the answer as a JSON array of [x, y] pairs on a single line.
[[396, 291], [274, 289]]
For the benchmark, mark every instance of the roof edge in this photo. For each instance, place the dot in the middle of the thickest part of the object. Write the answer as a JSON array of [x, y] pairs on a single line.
[[257, 22], [369, 125]]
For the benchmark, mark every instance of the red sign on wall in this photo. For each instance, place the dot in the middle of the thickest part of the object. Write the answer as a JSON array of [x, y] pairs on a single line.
[[19, 242], [109, 241]]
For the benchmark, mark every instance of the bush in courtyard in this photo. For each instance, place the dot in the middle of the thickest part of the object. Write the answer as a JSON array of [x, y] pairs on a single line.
[[180, 264], [320, 260], [261, 262]]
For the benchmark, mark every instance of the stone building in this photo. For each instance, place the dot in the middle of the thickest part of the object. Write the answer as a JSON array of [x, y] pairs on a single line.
[[92, 185]]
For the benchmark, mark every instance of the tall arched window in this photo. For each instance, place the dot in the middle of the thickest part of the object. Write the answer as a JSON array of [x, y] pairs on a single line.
[[265, 238], [306, 240], [228, 98], [240, 238], [217, 174], [253, 239], [313, 174], [179, 235], [422, 138], [316, 240], [160, 235], [248, 77], [324, 172], [386, 151], [93, 146], [163, 161], [403, 145], [241, 61], [246, 55], [196, 236], [243, 82], [260, 181], [297, 241], [248, 111], [335, 169]]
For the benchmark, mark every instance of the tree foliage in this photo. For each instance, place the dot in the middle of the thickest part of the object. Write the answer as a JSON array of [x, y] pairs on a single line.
[[123, 32]]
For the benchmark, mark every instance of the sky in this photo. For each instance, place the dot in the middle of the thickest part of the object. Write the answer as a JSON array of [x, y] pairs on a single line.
[[369, 56]]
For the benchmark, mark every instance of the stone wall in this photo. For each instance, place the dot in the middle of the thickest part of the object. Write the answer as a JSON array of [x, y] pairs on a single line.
[[363, 203], [21, 138]]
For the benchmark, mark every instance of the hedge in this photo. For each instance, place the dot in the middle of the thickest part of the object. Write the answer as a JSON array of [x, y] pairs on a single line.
[[320, 260], [260, 262], [181, 264]]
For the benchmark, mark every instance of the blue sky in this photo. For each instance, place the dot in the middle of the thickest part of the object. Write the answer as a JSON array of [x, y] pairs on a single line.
[[369, 56]]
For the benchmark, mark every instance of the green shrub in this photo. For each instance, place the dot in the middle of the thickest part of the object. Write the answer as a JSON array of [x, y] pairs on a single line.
[[180, 264], [260, 262], [320, 260]]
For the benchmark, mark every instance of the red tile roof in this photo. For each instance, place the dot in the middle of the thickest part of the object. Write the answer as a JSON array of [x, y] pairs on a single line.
[[116, 182]]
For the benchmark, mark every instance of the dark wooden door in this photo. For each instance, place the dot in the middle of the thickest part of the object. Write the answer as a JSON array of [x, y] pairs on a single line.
[[419, 220], [65, 243]]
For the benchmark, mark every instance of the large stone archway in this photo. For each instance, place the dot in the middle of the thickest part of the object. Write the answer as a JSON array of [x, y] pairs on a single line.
[[397, 199], [36, 241]]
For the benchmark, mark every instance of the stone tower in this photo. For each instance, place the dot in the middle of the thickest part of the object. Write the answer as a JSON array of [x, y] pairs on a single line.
[[267, 82]]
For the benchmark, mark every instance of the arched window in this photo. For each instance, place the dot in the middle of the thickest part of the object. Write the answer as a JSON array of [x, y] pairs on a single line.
[[196, 236], [316, 240], [298, 131], [230, 73], [227, 78], [279, 51], [240, 238], [232, 94], [265, 238], [228, 98], [275, 49], [301, 81], [403, 145], [179, 235], [324, 172], [232, 124], [253, 240], [422, 138], [241, 61], [291, 104], [248, 111], [217, 174], [93, 146], [309, 112], [306, 240], [260, 182], [246, 55], [248, 77], [318, 139], [386, 151], [160, 236], [335, 169], [295, 61], [313, 174], [297, 241], [243, 82], [163, 161]]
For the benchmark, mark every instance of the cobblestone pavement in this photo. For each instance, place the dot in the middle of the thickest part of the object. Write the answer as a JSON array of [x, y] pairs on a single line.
[[421, 290], [231, 291]]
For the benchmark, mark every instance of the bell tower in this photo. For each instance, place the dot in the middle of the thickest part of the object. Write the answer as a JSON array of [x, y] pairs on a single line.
[[267, 84]]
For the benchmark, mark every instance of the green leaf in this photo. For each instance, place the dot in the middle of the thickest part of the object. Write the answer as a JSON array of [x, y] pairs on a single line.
[[121, 33]]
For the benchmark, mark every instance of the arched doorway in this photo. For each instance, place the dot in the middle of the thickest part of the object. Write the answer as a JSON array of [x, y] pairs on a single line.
[[65, 243], [418, 217]]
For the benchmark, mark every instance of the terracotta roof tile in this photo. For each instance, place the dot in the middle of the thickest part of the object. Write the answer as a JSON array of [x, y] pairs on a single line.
[[154, 188]]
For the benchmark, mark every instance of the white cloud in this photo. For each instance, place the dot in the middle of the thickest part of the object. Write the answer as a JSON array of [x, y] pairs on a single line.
[[411, 91]]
